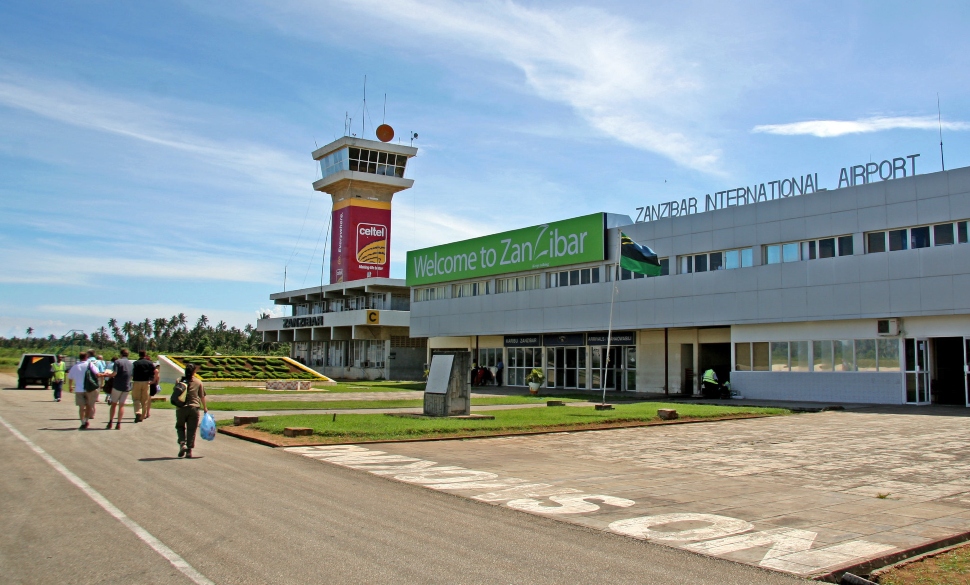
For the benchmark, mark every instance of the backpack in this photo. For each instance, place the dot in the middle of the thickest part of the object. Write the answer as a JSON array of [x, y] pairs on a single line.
[[90, 379], [180, 393]]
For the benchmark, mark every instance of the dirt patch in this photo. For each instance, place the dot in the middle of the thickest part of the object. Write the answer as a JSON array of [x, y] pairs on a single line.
[[948, 567], [273, 440]]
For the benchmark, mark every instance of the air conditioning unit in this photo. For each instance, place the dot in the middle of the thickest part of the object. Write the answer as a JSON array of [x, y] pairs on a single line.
[[887, 327]]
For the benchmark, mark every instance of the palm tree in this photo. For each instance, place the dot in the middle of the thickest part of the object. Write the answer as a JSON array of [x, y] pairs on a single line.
[[202, 322], [30, 331], [182, 320], [128, 329], [222, 326]]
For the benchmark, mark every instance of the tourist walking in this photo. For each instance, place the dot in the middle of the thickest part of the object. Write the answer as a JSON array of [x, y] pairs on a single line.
[[58, 373], [187, 417], [143, 371], [121, 386], [153, 389], [83, 381]]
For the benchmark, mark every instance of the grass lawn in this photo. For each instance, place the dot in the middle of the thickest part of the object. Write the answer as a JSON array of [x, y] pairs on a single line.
[[358, 427], [950, 568], [349, 404]]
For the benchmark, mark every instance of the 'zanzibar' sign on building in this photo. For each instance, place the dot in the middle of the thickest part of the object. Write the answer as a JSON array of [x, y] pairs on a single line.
[[302, 322], [886, 170], [570, 241]]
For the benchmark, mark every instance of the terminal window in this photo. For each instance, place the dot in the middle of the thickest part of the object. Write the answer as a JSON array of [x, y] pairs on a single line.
[[839, 355], [809, 250], [724, 260], [574, 277], [941, 234], [518, 283]]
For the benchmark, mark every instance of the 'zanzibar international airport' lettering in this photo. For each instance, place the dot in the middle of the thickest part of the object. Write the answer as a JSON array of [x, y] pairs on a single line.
[[886, 170]]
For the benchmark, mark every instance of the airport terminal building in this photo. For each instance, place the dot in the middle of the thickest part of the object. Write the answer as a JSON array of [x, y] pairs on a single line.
[[858, 294]]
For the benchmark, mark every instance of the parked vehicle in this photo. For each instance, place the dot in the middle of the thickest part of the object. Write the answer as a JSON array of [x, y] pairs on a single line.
[[35, 369]]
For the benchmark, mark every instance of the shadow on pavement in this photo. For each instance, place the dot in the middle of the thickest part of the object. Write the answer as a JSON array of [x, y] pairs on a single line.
[[149, 459]]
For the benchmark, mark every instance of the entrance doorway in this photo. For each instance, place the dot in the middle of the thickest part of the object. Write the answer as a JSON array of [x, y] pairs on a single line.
[[917, 375], [717, 357], [948, 381]]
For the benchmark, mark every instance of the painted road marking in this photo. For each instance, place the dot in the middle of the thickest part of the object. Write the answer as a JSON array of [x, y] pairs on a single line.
[[156, 545], [788, 549]]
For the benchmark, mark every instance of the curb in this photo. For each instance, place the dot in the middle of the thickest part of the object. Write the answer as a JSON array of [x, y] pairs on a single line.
[[228, 431], [897, 558]]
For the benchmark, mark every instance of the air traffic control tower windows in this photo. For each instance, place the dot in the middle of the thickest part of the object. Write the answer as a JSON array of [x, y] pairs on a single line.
[[363, 160]]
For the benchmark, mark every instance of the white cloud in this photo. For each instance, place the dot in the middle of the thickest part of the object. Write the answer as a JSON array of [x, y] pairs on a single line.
[[85, 107], [29, 266], [623, 81], [832, 128]]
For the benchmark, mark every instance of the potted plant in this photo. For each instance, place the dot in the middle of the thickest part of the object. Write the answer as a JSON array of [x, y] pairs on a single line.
[[535, 379]]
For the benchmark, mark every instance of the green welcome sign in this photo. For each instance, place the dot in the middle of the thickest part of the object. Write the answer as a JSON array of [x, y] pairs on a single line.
[[559, 243]]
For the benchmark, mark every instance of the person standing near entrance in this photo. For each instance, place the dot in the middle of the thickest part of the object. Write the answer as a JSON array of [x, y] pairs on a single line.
[[121, 385], [83, 381], [711, 387], [499, 372], [143, 370], [187, 417], [58, 373]]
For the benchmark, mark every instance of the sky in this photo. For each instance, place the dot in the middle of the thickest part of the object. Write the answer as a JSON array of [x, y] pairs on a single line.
[[155, 157]]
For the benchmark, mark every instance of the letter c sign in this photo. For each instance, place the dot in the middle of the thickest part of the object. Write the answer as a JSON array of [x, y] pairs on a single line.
[[373, 317]]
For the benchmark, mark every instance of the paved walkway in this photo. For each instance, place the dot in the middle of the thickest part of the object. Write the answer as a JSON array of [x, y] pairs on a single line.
[[803, 494]]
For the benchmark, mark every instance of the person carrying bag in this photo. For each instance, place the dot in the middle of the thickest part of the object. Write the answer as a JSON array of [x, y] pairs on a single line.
[[188, 397]]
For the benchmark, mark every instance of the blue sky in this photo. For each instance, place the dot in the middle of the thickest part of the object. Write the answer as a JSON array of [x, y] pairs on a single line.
[[155, 157]]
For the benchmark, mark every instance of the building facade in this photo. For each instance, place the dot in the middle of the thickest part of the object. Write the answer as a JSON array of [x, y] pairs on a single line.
[[354, 330], [858, 294]]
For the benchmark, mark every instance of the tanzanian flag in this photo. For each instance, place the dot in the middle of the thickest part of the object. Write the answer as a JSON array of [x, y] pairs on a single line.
[[638, 258]]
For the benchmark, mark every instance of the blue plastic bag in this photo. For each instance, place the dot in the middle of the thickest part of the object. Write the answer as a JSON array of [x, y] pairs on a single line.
[[207, 428]]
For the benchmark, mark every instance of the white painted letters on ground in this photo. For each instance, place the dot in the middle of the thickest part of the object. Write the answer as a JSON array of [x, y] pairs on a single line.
[[789, 549]]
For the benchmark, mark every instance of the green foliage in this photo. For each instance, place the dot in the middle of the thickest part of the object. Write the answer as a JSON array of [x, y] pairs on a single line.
[[160, 335], [245, 368]]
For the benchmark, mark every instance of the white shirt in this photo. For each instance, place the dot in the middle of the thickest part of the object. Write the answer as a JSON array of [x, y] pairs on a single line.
[[77, 375]]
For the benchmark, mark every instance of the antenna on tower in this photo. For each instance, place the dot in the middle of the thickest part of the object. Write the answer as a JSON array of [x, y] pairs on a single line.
[[363, 113], [384, 117], [939, 119]]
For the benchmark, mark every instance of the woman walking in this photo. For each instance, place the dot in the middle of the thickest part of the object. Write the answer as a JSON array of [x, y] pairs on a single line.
[[187, 417]]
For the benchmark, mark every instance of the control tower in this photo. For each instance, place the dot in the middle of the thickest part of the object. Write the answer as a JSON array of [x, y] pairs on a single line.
[[362, 176]]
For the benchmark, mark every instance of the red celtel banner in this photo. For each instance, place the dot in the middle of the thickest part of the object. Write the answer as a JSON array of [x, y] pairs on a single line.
[[361, 240]]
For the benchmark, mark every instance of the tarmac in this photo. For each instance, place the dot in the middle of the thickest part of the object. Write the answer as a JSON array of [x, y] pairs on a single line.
[[808, 494], [247, 514]]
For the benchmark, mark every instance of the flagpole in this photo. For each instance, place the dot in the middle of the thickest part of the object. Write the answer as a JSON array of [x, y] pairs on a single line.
[[609, 333]]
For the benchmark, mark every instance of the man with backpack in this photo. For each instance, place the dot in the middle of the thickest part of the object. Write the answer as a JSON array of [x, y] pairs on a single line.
[[83, 380], [121, 385], [143, 371]]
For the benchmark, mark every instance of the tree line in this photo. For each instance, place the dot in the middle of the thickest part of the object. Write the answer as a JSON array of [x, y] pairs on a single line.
[[160, 335]]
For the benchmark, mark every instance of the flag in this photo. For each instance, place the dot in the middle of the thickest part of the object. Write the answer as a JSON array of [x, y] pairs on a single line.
[[638, 258]]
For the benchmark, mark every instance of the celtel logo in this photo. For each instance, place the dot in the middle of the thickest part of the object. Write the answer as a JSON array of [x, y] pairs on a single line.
[[371, 243]]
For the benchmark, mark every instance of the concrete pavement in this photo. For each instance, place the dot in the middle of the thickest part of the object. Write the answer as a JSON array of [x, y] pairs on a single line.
[[243, 513], [806, 494]]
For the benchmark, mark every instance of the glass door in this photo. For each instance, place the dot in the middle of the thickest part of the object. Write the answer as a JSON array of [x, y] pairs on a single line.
[[917, 375], [966, 370]]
